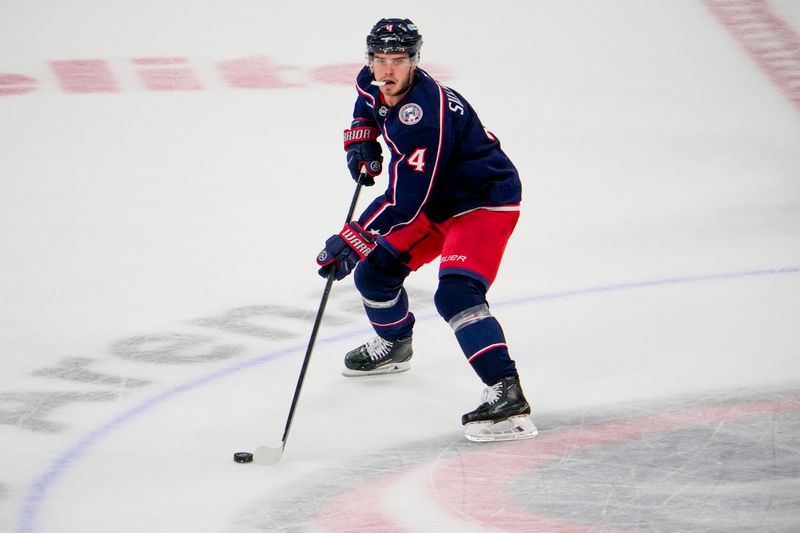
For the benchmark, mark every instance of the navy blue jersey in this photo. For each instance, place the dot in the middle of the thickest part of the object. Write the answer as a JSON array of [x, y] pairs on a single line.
[[443, 161]]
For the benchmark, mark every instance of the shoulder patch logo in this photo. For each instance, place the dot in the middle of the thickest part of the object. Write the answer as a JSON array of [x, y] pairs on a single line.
[[410, 114]]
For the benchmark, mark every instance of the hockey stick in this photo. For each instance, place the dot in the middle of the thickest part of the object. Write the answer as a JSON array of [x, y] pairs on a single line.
[[265, 455]]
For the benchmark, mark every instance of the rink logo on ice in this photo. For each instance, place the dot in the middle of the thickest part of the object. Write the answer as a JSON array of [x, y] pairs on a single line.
[[87, 76], [237, 332]]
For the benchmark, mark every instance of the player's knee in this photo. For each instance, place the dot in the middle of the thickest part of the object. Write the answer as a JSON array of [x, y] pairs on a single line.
[[456, 294], [380, 275]]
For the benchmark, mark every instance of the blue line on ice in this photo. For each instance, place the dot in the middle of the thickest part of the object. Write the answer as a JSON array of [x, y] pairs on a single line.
[[38, 492]]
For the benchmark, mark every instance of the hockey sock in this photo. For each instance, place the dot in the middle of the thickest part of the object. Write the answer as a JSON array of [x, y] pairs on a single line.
[[461, 301], [482, 340], [391, 319]]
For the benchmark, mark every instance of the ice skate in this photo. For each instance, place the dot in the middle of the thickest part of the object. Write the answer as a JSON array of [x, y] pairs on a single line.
[[504, 414], [379, 356]]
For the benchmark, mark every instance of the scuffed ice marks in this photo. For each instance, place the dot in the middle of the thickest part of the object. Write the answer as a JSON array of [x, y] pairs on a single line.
[[735, 475], [32, 411], [174, 348], [298, 506], [5, 520], [266, 321], [75, 369]]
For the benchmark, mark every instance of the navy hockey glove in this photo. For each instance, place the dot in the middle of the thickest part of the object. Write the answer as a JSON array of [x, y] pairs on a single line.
[[342, 252], [363, 150]]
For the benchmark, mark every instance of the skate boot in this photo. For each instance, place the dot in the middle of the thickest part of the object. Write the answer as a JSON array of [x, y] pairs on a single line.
[[379, 356], [503, 415]]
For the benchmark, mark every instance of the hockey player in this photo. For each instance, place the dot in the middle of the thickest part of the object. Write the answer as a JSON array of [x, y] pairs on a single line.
[[452, 193]]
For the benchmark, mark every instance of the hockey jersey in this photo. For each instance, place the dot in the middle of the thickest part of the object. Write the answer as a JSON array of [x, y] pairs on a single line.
[[443, 161]]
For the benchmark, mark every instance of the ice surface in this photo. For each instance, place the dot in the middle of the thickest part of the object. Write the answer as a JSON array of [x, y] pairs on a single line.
[[169, 171]]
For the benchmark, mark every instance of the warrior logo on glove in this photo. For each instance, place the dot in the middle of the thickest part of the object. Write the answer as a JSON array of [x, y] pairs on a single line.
[[356, 243], [363, 151], [343, 252]]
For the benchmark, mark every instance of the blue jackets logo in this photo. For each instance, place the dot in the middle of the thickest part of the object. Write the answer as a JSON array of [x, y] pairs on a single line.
[[410, 114]]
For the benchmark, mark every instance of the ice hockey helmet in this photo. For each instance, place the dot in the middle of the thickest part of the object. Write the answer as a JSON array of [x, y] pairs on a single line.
[[394, 36]]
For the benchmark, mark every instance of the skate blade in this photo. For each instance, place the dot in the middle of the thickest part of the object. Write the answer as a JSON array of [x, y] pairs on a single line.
[[393, 368], [513, 428]]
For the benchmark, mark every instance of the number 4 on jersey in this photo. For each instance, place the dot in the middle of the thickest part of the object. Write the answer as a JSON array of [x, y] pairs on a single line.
[[417, 159]]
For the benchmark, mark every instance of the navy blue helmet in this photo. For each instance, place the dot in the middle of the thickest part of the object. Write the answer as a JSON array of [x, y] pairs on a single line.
[[394, 36]]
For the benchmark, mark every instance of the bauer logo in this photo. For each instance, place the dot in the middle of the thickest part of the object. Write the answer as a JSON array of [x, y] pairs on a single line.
[[410, 114]]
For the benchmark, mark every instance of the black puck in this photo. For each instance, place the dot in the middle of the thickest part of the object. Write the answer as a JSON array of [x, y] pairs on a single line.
[[243, 457]]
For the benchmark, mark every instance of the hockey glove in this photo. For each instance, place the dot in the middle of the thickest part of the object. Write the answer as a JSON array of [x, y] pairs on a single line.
[[342, 252], [363, 150]]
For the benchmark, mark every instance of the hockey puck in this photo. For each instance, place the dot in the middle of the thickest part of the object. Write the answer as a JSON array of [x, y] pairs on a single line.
[[243, 457]]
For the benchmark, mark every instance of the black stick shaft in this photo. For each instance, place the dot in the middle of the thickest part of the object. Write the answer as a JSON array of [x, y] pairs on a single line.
[[320, 312]]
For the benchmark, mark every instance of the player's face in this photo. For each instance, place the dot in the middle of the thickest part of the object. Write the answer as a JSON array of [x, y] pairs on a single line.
[[397, 71]]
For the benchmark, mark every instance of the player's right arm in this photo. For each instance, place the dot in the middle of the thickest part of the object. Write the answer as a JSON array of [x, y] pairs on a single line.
[[361, 138]]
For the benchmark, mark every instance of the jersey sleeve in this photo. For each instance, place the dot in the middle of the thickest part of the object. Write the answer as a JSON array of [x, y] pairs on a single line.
[[362, 111], [417, 142], [364, 108]]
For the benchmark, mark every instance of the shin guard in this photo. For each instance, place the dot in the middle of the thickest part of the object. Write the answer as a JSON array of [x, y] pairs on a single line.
[[461, 301], [392, 319]]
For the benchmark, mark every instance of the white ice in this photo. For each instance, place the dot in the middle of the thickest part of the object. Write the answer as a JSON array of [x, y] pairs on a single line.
[[158, 284]]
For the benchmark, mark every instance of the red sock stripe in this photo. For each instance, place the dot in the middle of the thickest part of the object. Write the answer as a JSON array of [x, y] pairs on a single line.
[[484, 350], [391, 323]]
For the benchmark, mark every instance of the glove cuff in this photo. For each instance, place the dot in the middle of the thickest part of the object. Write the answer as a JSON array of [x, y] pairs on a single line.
[[359, 134]]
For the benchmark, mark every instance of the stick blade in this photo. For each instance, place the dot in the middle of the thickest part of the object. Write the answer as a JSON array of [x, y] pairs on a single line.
[[266, 456]]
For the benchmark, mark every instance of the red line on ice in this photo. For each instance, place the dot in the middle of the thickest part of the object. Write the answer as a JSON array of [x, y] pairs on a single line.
[[766, 38], [477, 487]]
